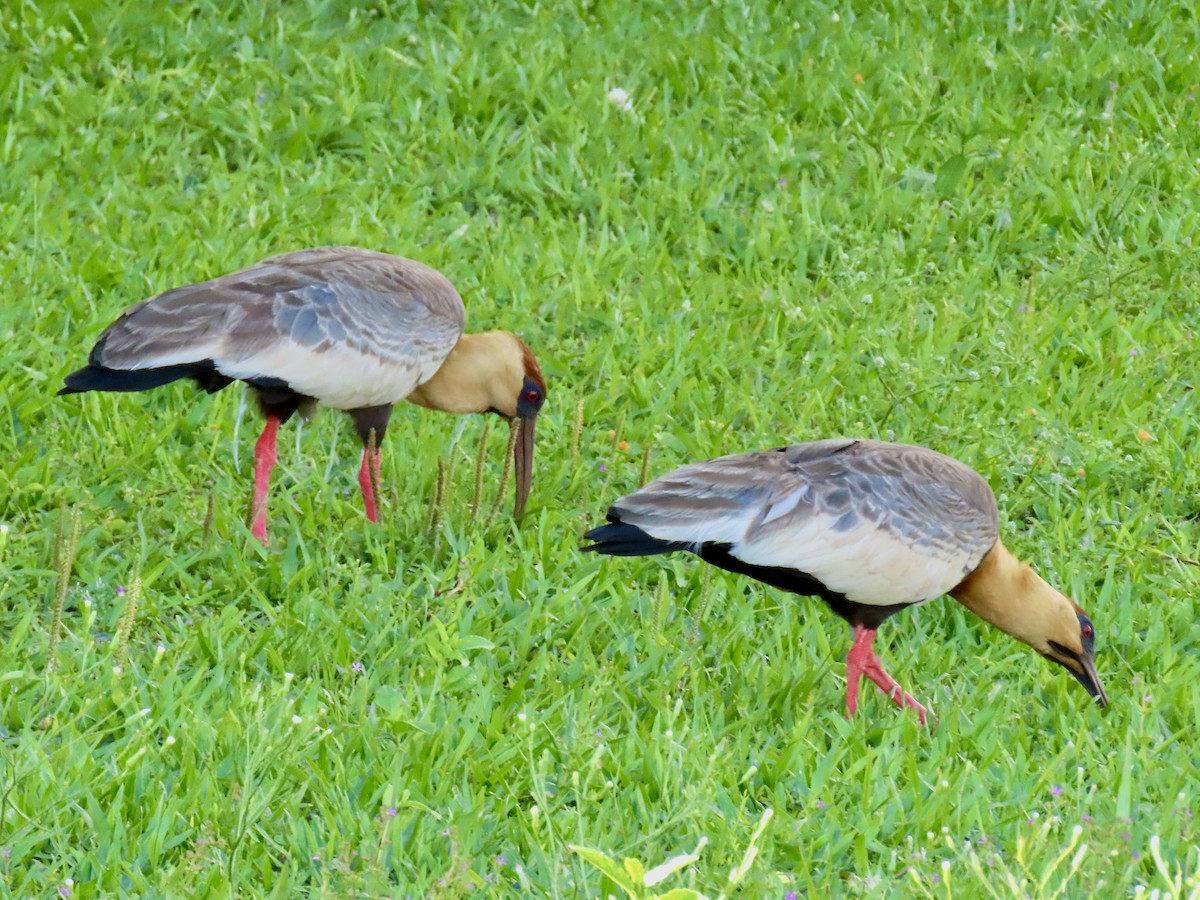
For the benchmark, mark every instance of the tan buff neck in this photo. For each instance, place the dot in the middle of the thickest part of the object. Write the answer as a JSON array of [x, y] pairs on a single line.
[[1009, 594], [483, 371]]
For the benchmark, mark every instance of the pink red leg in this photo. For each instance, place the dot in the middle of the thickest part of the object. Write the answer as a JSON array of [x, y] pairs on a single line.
[[863, 661], [264, 462], [368, 478]]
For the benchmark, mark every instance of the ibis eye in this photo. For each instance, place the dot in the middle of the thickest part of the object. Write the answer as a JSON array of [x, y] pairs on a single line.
[[1087, 630], [532, 396]]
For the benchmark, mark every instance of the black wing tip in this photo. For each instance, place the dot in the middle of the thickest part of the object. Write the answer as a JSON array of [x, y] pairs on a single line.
[[622, 539], [102, 378], [82, 380]]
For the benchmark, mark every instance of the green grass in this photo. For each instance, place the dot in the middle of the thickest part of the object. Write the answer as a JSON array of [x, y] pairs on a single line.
[[938, 223]]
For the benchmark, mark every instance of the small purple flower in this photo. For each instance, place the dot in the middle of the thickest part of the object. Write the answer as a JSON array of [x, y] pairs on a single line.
[[782, 182], [1023, 308], [603, 468], [1029, 821], [64, 890], [1086, 819], [790, 895], [820, 804], [1056, 791], [120, 590], [501, 861], [1134, 351], [936, 877], [462, 562], [1112, 85], [1136, 856], [391, 812], [446, 831], [357, 667], [1126, 836]]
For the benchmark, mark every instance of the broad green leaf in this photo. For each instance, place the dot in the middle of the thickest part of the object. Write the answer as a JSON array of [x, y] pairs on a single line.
[[608, 866], [391, 702], [635, 869], [950, 174]]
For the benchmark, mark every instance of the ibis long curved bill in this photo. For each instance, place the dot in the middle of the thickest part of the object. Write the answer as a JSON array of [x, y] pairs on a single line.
[[1090, 679], [1081, 664], [523, 462]]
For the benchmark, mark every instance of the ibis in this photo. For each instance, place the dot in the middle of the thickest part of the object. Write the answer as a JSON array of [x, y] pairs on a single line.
[[341, 327], [869, 527]]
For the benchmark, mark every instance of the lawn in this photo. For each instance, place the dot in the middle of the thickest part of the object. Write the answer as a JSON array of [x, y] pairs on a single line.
[[721, 227]]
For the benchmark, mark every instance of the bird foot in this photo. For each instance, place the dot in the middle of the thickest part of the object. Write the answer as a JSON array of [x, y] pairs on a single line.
[[259, 528], [264, 462], [863, 661], [899, 696], [368, 480]]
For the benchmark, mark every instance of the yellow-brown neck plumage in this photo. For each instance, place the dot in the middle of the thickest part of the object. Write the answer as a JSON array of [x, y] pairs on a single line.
[[483, 372], [1009, 594]]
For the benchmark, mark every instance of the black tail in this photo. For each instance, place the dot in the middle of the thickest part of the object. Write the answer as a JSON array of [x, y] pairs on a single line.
[[622, 539], [102, 378]]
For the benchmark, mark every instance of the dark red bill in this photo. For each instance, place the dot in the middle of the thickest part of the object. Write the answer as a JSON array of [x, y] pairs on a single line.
[[1090, 679], [523, 462]]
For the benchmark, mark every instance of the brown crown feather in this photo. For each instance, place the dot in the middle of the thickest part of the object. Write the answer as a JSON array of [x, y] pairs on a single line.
[[532, 370]]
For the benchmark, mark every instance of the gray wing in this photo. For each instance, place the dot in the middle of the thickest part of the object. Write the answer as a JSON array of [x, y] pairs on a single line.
[[880, 523], [315, 319]]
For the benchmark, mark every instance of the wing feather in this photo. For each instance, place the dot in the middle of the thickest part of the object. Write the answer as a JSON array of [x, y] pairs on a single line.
[[879, 523], [350, 327]]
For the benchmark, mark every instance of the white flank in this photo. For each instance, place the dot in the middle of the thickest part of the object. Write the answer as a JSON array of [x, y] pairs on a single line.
[[339, 378], [866, 564]]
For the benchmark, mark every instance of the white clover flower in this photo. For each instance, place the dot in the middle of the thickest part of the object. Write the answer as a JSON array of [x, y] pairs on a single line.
[[619, 97]]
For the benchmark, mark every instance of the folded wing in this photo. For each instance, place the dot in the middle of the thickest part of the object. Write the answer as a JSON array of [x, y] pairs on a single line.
[[349, 327], [879, 523]]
